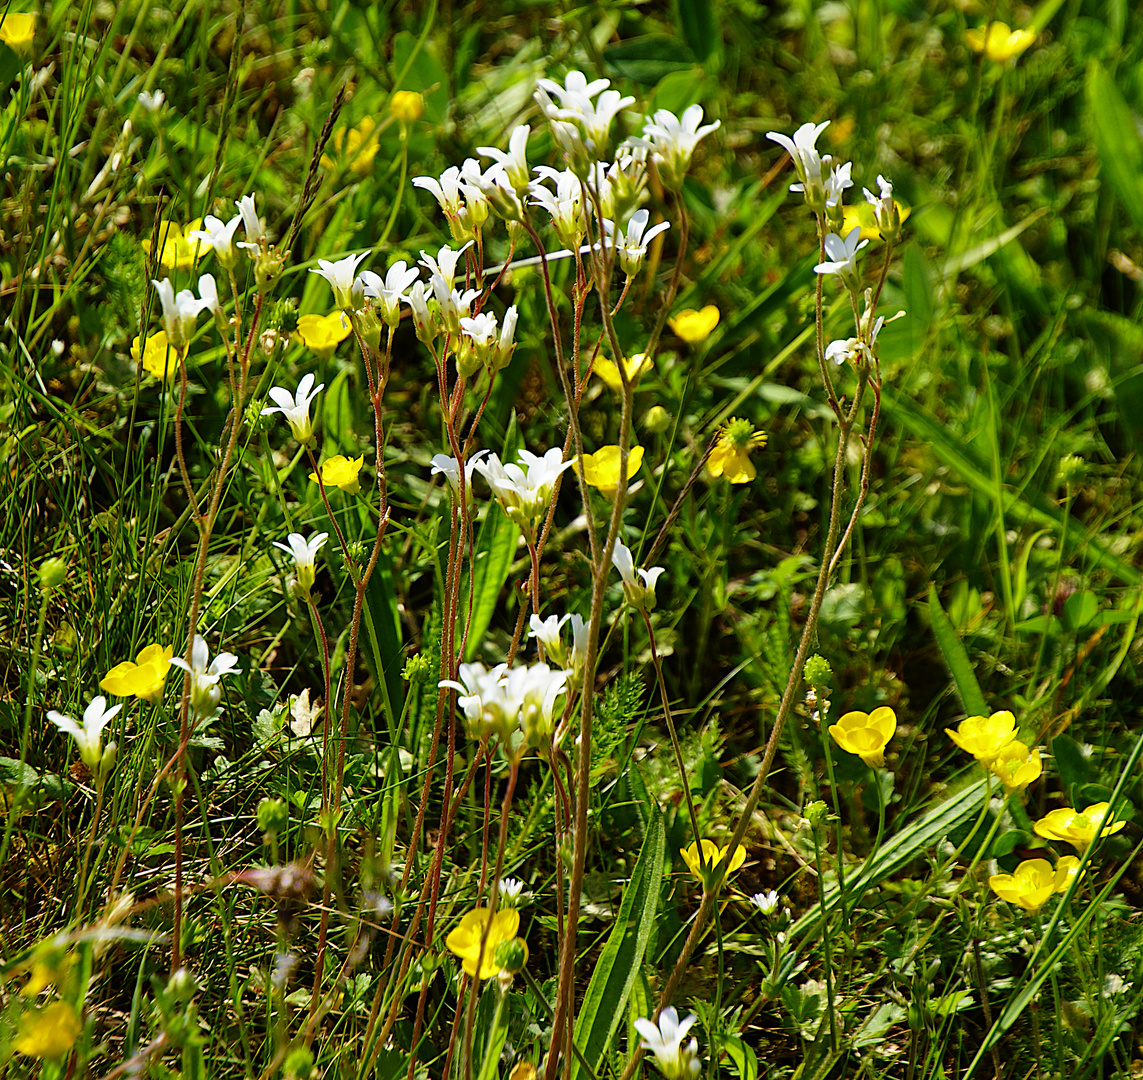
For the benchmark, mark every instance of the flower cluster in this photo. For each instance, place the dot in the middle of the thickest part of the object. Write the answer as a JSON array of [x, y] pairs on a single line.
[[501, 701], [992, 741]]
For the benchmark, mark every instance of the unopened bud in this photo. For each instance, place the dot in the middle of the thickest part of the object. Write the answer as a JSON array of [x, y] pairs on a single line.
[[53, 572]]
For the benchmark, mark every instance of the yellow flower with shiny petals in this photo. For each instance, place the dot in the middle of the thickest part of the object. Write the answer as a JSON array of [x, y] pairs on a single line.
[[601, 469], [695, 326], [340, 471], [1034, 882], [731, 454], [17, 30], [322, 333], [144, 678], [639, 364], [406, 106], [866, 734], [1079, 829], [718, 860], [158, 359], [861, 216], [465, 940], [48, 1033], [1016, 765], [985, 737], [998, 41], [360, 147], [176, 252]]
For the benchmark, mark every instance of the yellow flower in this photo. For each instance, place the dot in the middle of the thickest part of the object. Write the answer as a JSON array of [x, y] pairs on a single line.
[[638, 364], [176, 252], [1070, 826], [718, 860], [861, 216], [48, 1033], [1034, 881], [407, 106], [985, 738], [464, 941], [601, 469], [144, 678], [17, 30], [323, 333], [694, 326], [1016, 765], [360, 144], [340, 471], [158, 360], [866, 734], [998, 41], [731, 454]]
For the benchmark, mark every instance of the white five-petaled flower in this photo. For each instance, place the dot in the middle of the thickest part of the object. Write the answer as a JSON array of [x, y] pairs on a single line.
[[547, 632], [885, 211], [672, 141], [837, 182], [218, 235], [208, 290], [807, 161], [252, 245], [348, 289], [525, 494], [510, 890], [766, 902], [631, 246], [448, 467], [444, 264], [205, 675], [501, 701], [665, 1041], [179, 312], [152, 102], [304, 552], [389, 290], [639, 596], [565, 204], [514, 161], [88, 738], [842, 256], [296, 407], [446, 190]]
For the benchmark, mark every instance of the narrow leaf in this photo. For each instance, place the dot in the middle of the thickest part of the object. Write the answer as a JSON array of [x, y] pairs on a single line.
[[956, 659]]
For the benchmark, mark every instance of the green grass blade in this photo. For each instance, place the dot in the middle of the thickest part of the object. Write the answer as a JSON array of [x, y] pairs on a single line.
[[956, 659], [495, 547], [1117, 139]]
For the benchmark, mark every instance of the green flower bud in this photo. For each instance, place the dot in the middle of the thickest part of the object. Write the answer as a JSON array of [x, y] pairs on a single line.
[[273, 815], [818, 673], [53, 572], [511, 956]]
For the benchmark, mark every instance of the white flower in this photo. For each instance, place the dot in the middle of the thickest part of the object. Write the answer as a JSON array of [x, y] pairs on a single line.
[[448, 467], [253, 227], [766, 902], [510, 890], [501, 701], [179, 312], [632, 245], [205, 691], [525, 495], [152, 102], [219, 236], [838, 181], [452, 305], [672, 141], [806, 160], [513, 162], [208, 290], [447, 190], [304, 553], [842, 256], [348, 289], [88, 739], [547, 633], [424, 317], [665, 1041], [885, 211], [639, 596], [564, 205], [389, 291], [444, 264], [296, 407]]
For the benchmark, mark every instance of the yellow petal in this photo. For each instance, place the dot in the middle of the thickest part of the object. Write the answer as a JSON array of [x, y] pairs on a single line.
[[694, 326]]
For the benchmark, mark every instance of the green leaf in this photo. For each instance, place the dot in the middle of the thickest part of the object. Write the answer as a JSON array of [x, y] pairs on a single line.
[[1074, 768], [742, 1056], [956, 659], [1080, 611], [649, 58], [699, 28], [9, 67], [622, 957], [495, 548], [1117, 140]]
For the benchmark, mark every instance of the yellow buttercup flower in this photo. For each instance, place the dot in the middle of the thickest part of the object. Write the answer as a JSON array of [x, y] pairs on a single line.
[[17, 30], [340, 471], [1034, 882], [601, 469], [176, 252], [731, 454], [719, 861], [985, 737], [48, 1033], [407, 106], [464, 941], [360, 147], [694, 326], [1016, 765], [639, 364], [158, 359], [998, 41], [861, 215], [1077, 828], [144, 678], [322, 333], [866, 734]]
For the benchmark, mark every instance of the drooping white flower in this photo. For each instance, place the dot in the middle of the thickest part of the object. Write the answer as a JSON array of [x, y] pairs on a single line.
[[348, 289], [179, 312], [448, 467], [219, 236], [500, 701], [205, 675], [89, 737], [807, 161], [665, 1041], [525, 493], [389, 290], [631, 246], [639, 596], [672, 141], [296, 407], [252, 245], [304, 553], [842, 256], [885, 211]]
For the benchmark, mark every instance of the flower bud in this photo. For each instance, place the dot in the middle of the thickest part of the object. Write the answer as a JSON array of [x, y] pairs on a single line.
[[53, 572], [273, 816]]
